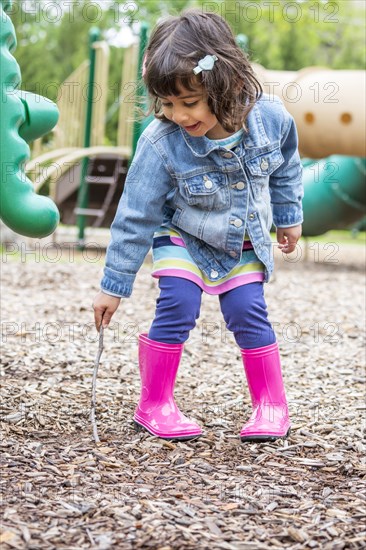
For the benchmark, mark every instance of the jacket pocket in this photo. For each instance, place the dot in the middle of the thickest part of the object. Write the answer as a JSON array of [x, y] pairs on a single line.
[[208, 191], [260, 167]]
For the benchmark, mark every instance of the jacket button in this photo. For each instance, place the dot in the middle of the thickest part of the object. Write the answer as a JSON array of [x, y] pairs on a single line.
[[237, 223], [264, 164], [233, 254], [228, 155], [214, 274], [240, 185], [208, 184], [252, 216]]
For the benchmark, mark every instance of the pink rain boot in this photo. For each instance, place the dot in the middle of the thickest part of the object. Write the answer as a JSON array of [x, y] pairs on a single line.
[[157, 411], [270, 419]]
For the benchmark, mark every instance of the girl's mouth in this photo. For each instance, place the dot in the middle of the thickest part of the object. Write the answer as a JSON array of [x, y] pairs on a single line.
[[192, 128]]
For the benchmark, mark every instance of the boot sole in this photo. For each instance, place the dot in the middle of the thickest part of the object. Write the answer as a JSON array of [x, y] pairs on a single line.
[[260, 438], [141, 427]]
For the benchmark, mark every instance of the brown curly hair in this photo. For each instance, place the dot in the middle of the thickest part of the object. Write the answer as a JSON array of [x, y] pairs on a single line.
[[176, 45]]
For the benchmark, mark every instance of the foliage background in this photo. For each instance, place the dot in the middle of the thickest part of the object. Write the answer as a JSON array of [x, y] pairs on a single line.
[[53, 35]]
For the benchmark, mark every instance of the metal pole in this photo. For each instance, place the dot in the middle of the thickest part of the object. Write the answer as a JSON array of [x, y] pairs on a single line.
[[83, 193]]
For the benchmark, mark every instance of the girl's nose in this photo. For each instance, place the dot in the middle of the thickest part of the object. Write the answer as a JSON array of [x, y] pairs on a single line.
[[179, 117]]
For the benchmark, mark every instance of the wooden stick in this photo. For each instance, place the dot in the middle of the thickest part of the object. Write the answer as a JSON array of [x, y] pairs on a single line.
[[94, 384]]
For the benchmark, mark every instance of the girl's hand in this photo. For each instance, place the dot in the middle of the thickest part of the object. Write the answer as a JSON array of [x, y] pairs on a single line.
[[104, 307], [287, 238]]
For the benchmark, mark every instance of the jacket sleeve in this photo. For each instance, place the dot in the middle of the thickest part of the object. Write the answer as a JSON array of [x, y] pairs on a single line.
[[139, 213], [286, 187]]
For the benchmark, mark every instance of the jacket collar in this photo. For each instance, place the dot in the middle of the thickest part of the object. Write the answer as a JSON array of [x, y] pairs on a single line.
[[255, 137]]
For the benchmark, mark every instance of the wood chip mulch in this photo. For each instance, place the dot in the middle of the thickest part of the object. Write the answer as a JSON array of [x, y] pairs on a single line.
[[62, 491]]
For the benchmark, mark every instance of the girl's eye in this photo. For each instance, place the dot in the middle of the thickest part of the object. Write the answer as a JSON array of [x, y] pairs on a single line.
[[185, 104]]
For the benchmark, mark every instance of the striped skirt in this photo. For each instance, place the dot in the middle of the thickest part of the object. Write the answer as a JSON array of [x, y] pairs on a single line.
[[171, 258]]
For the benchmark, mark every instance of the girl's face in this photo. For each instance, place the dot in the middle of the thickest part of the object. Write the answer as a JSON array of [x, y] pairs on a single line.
[[191, 111]]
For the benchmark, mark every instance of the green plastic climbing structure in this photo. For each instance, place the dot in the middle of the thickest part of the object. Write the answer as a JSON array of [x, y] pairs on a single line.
[[24, 117]]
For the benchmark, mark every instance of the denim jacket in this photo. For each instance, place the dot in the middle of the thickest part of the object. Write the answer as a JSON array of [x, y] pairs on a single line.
[[211, 195]]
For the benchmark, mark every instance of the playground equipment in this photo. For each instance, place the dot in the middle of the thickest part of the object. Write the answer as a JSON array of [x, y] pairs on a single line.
[[83, 191], [328, 106], [335, 194], [329, 110], [24, 117]]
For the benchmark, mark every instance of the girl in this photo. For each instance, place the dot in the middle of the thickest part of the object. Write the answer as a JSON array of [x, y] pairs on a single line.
[[210, 175]]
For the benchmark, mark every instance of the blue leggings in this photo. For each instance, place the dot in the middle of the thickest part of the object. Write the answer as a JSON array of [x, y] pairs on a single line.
[[244, 310]]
